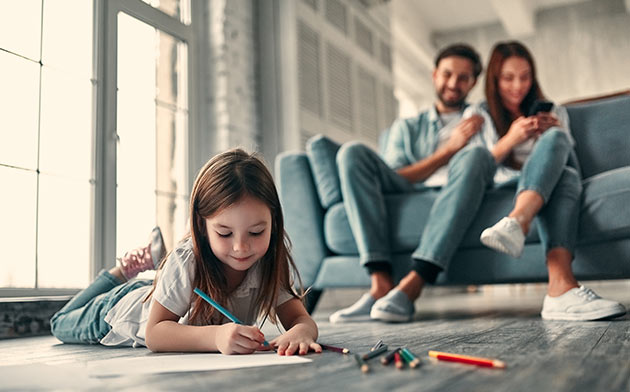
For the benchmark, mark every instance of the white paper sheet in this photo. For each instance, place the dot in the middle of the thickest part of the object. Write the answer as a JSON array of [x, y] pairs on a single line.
[[168, 363]]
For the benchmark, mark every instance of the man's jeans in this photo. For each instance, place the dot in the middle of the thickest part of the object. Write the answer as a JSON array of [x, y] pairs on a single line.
[[366, 179], [560, 186], [82, 319]]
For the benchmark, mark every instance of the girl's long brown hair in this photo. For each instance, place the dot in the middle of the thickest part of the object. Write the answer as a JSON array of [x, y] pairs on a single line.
[[500, 115], [223, 181]]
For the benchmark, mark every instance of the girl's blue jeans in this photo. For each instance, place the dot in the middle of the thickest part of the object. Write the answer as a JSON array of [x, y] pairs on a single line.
[[82, 319]]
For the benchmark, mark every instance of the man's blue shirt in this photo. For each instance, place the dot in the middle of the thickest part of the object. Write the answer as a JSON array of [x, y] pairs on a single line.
[[413, 139]]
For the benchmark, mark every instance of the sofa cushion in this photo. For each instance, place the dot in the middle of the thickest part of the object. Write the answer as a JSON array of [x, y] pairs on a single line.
[[605, 210], [601, 130], [322, 153], [408, 214]]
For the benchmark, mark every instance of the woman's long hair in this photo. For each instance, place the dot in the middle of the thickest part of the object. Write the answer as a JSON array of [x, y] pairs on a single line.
[[222, 182], [500, 115]]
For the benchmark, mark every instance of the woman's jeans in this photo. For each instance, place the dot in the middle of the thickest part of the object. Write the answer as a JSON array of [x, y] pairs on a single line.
[[366, 180], [82, 319], [547, 173]]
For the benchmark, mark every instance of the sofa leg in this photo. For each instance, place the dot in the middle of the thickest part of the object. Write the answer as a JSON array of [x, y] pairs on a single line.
[[311, 299]]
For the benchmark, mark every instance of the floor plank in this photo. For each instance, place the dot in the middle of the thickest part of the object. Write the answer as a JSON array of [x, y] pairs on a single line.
[[541, 355]]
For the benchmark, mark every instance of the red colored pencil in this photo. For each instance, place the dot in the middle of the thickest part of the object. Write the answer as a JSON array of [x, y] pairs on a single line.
[[486, 362], [386, 360], [398, 360]]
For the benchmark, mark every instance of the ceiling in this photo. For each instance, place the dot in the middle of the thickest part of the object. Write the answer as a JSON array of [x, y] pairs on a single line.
[[414, 22], [446, 15]]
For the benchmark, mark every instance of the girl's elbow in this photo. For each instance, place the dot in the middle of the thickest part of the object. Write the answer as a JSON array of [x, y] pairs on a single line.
[[151, 345], [151, 342]]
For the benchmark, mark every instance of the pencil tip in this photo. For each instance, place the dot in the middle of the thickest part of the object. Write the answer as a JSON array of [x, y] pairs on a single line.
[[498, 364]]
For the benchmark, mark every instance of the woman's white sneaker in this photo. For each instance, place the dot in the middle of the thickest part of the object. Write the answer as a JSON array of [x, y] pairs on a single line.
[[580, 304], [505, 236]]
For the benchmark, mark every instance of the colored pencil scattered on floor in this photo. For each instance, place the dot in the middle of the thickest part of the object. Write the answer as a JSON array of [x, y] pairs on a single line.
[[486, 362], [341, 350], [365, 368], [402, 355], [375, 353], [406, 357], [389, 358], [412, 359], [377, 345], [398, 360]]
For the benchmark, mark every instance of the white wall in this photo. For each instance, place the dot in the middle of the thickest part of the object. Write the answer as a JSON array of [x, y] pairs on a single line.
[[231, 102], [580, 50]]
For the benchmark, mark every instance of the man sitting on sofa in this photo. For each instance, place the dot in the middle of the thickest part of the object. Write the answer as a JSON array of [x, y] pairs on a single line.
[[430, 150]]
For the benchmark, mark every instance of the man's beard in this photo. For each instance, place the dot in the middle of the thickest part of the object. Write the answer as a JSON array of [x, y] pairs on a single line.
[[453, 104]]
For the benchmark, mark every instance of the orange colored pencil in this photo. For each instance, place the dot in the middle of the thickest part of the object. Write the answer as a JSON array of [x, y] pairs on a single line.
[[486, 362]]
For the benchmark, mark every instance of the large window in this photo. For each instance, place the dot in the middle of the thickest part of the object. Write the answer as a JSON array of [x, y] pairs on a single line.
[[45, 143], [95, 126], [152, 130]]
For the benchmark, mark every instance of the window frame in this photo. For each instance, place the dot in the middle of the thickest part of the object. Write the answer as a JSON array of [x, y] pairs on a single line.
[[104, 79], [104, 233]]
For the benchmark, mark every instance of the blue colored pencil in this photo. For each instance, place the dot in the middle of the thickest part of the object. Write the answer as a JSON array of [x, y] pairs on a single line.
[[221, 309]]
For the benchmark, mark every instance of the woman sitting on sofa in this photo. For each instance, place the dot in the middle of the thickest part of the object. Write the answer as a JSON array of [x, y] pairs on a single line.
[[532, 146]]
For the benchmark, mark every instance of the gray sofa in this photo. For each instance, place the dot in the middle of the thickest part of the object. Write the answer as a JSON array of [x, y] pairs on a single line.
[[327, 257]]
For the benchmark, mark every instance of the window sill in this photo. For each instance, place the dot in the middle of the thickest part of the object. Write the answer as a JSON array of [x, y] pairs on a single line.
[[12, 294], [28, 316]]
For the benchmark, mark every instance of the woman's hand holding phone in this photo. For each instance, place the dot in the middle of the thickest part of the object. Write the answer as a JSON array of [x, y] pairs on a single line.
[[522, 129], [546, 120]]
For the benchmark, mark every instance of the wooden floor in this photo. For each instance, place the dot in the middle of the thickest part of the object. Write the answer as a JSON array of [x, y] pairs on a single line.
[[500, 322]]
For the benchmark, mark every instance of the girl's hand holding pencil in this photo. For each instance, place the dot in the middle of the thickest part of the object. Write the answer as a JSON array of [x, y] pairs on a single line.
[[234, 338], [241, 339]]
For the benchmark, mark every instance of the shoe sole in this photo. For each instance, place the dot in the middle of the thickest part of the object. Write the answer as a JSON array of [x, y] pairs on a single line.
[[498, 242], [591, 316], [158, 250], [345, 320], [380, 315]]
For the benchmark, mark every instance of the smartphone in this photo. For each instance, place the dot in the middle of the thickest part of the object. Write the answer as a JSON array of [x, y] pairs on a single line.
[[540, 105]]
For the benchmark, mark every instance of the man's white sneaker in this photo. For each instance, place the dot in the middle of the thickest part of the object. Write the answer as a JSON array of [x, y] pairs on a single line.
[[505, 236], [395, 307], [580, 304], [359, 311]]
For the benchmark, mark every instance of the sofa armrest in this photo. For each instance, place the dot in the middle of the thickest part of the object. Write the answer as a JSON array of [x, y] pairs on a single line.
[[303, 213]]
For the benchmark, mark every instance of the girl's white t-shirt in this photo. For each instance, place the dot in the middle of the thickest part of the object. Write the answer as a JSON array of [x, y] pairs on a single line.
[[174, 290]]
